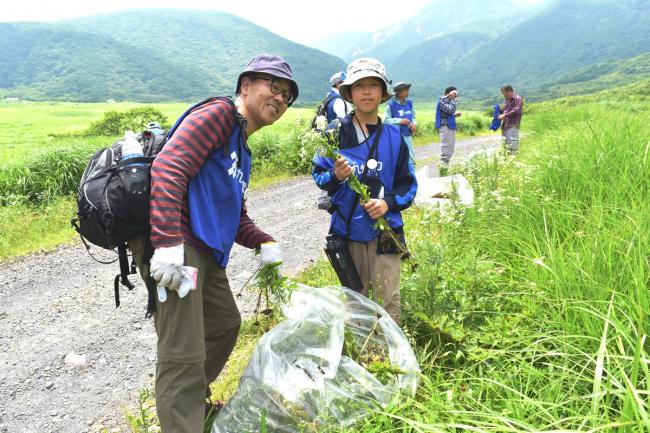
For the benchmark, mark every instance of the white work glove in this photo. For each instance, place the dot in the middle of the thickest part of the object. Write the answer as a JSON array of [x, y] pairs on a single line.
[[270, 253], [166, 268]]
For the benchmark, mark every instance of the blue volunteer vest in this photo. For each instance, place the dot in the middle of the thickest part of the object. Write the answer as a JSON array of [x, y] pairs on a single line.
[[451, 119], [402, 111], [329, 108], [216, 193], [361, 225], [496, 123]]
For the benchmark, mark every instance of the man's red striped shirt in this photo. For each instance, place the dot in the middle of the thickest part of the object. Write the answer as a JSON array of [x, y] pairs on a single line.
[[205, 130]]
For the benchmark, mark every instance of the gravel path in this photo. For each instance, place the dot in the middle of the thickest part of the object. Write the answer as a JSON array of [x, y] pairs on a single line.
[[61, 303]]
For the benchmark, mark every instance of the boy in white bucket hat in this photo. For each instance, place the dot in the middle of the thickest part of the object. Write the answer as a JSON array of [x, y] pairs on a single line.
[[377, 154]]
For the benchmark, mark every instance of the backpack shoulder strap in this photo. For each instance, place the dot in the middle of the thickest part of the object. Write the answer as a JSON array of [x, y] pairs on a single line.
[[123, 276], [187, 112], [329, 99], [194, 107]]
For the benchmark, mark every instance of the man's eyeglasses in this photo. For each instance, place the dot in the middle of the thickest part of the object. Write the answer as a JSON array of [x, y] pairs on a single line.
[[276, 89]]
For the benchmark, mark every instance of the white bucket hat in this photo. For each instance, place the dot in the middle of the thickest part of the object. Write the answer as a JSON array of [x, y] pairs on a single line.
[[362, 68]]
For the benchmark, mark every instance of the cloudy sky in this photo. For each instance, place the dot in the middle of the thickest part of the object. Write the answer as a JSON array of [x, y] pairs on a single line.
[[300, 20]]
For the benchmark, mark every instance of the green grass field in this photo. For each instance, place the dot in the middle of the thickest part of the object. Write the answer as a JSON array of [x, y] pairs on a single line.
[[28, 128], [43, 150]]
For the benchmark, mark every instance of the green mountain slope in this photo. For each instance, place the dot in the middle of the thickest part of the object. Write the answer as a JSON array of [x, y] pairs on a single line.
[[433, 64], [43, 62], [438, 18], [564, 37], [597, 77], [441, 17], [347, 45], [217, 45], [154, 55]]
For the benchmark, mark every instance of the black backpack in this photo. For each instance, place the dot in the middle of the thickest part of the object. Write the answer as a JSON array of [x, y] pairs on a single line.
[[321, 111], [113, 202]]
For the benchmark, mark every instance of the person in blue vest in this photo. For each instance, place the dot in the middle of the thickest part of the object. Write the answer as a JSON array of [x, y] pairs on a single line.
[[400, 111], [335, 106], [197, 213], [384, 168], [446, 125]]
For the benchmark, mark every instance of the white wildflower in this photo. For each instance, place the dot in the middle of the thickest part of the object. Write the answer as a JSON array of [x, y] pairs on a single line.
[[539, 261]]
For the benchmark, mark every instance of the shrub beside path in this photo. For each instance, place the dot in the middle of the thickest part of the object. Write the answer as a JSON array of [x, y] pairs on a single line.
[[61, 303]]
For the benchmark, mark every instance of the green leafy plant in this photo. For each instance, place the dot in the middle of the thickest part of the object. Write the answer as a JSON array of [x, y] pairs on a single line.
[[330, 149], [44, 177], [145, 417], [270, 284], [136, 119]]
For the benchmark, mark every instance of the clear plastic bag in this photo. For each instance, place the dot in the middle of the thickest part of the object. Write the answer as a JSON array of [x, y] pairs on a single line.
[[437, 191], [299, 378]]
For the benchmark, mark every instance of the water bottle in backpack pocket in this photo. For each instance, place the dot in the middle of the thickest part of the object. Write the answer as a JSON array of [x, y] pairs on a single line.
[[134, 174]]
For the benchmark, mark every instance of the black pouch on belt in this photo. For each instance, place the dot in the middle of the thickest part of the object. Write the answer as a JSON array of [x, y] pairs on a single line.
[[338, 253]]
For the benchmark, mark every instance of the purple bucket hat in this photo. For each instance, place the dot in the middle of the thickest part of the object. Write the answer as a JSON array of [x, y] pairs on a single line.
[[271, 65]]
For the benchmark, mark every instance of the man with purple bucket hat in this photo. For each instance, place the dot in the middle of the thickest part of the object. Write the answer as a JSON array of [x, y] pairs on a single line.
[[197, 212]]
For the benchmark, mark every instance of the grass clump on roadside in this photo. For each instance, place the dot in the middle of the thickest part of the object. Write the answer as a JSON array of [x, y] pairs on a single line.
[[26, 228]]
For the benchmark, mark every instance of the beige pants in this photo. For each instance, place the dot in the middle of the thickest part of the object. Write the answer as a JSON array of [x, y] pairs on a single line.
[[196, 335], [447, 144], [511, 138], [379, 271]]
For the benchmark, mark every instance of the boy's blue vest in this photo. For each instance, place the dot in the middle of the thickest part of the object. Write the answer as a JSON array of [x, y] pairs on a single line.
[[216, 193], [402, 111], [451, 119], [331, 97], [346, 201]]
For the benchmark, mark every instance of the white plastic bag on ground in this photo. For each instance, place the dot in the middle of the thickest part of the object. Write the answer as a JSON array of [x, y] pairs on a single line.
[[298, 377], [438, 191]]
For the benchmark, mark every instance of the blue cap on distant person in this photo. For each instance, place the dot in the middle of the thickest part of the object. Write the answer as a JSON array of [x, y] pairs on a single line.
[[272, 65], [337, 78]]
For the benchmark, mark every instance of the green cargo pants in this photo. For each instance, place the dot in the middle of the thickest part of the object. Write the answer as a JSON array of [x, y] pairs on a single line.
[[196, 335]]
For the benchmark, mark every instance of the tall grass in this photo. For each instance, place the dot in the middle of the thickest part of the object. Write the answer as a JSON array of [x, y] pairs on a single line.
[[51, 175], [530, 310]]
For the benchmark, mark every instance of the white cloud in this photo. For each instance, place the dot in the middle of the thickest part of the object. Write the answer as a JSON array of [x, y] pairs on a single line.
[[300, 21]]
